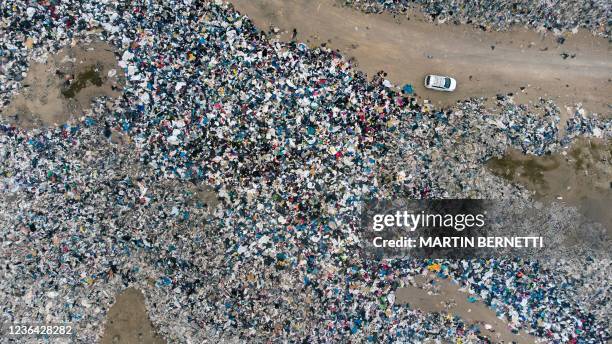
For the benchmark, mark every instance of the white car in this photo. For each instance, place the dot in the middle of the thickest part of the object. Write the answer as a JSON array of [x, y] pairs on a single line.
[[440, 83]]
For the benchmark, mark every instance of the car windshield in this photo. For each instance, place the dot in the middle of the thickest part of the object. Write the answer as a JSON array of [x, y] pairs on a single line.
[[447, 82]]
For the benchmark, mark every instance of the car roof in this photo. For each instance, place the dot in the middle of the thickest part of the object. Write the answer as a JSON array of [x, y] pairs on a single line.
[[437, 80]]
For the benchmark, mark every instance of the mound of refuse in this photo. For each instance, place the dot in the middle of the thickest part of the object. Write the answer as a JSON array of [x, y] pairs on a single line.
[[560, 17], [234, 199]]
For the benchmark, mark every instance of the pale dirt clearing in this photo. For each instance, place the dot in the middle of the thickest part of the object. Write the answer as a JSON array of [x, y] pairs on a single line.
[[433, 294], [579, 176], [484, 63], [127, 321], [63, 87]]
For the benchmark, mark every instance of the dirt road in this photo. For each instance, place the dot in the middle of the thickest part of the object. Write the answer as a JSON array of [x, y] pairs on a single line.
[[484, 63]]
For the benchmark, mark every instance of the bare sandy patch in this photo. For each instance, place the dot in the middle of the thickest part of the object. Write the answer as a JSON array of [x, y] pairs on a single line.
[[63, 87], [580, 176], [439, 295], [484, 63], [128, 322]]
